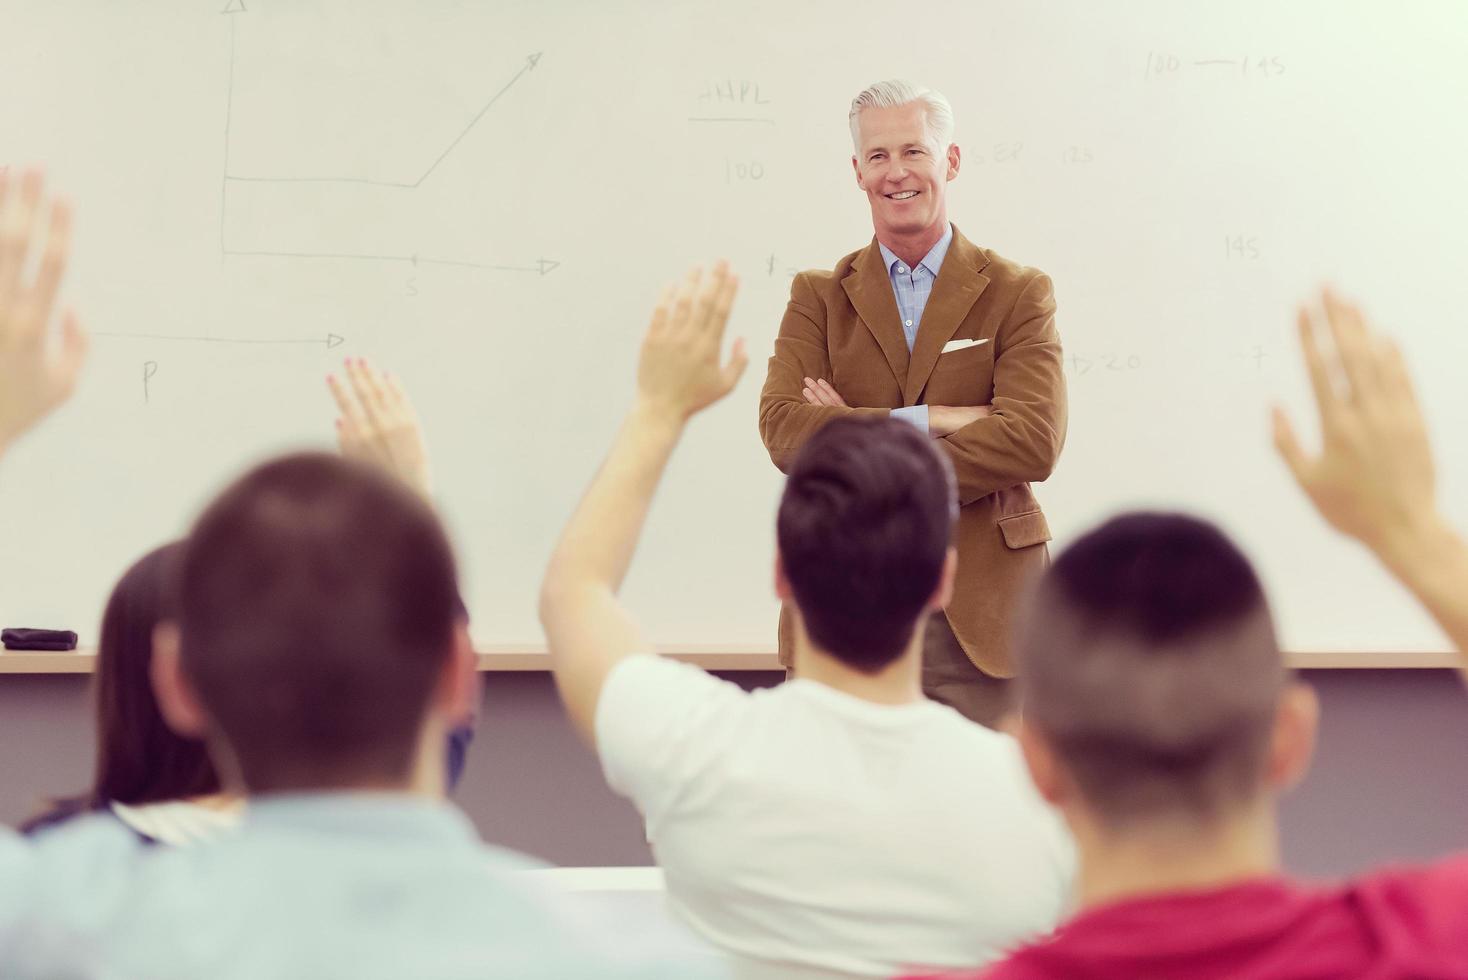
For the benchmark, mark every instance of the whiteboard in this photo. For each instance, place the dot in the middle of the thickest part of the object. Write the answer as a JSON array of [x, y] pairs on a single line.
[[485, 197]]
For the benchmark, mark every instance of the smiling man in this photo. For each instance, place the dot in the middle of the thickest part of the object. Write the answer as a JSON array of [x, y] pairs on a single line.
[[926, 326]]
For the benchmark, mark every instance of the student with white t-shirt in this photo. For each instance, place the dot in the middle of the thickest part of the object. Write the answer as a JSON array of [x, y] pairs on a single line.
[[839, 822]]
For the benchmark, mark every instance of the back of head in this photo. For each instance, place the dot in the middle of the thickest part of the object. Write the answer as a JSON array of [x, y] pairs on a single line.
[[1149, 664], [864, 528], [317, 604], [139, 758]]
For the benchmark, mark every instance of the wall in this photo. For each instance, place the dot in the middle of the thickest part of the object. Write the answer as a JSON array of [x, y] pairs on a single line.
[[1388, 782]]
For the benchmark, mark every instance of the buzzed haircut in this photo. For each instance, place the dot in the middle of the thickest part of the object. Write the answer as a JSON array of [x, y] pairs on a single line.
[[1148, 660], [317, 600], [864, 526]]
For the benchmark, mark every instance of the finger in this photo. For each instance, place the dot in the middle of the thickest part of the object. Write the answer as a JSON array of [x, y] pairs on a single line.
[[683, 302], [738, 361], [1326, 397], [1397, 379], [722, 285], [343, 442], [661, 312], [15, 231], [724, 301], [369, 410], [1288, 446], [53, 262], [372, 380], [835, 396], [1354, 352], [346, 403], [708, 292], [338, 394], [810, 396], [74, 346], [397, 395]]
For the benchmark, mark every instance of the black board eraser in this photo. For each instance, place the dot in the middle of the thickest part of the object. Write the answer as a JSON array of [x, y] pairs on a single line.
[[33, 639]]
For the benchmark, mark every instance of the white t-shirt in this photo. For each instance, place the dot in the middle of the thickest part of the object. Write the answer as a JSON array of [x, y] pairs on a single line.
[[801, 825]]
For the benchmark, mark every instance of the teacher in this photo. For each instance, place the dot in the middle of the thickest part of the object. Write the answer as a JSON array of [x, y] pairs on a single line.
[[926, 326]]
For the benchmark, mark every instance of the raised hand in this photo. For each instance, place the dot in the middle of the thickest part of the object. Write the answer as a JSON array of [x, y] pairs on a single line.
[[1374, 477], [681, 371], [377, 424], [36, 375]]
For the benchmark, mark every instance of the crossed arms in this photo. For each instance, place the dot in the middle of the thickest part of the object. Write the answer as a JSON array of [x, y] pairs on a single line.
[[1015, 439]]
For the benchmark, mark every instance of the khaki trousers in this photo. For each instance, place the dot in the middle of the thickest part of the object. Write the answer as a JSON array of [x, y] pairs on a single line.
[[950, 677]]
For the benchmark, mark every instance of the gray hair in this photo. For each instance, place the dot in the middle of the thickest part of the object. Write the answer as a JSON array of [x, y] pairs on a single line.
[[894, 93]]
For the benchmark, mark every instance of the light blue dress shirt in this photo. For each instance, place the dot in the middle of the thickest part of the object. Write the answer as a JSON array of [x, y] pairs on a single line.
[[361, 886], [912, 286]]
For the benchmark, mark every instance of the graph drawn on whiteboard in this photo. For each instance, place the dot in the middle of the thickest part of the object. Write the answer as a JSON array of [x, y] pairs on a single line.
[[540, 266]]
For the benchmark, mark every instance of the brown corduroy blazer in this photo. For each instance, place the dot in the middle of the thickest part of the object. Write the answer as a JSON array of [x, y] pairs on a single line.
[[843, 326]]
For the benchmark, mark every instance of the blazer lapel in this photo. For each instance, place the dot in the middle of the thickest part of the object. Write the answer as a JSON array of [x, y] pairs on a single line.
[[958, 286], [870, 291]]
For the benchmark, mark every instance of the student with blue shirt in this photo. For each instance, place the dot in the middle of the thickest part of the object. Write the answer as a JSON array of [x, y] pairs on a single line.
[[319, 651]]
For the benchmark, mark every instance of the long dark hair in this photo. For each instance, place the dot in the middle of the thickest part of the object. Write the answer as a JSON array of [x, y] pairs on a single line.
[[139, 758]]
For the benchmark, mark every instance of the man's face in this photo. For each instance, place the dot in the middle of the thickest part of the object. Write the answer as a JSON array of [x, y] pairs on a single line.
[[903, 170]]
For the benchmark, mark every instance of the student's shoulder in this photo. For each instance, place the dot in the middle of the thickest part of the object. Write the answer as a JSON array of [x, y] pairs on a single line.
[[971, 737], [1014, 968], [650, 671], [1426, 894]]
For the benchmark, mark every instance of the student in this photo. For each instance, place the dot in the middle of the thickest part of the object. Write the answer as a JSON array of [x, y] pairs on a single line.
[[1160, 718], [377, 425], [319, 652], [36, 373], [820, 825], [159, 784]]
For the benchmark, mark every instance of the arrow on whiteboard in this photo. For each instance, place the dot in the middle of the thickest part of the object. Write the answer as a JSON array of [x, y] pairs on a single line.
[[329, 341], [530, 62], [541, 266], [234, 7]]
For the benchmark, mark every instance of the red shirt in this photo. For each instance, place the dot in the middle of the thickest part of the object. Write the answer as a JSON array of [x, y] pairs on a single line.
[[1398, 924]]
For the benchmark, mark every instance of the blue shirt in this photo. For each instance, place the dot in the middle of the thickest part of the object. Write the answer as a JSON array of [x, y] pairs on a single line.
[[344, 885], [912, 285]]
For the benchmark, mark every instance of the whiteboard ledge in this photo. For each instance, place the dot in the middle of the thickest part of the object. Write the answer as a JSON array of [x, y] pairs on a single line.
[[524, 658]]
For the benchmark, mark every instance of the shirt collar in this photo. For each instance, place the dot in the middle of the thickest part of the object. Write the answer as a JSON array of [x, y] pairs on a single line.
[[394, 816], [933, 261]]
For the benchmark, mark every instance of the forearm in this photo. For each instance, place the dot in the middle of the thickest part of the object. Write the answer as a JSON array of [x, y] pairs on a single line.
[[1000, 451], [1432, 562], [597, 545], [786, 423], [587, 629]]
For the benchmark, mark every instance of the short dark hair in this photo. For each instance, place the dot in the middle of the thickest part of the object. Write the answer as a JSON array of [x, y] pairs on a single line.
[[139, 758], [1149, 662], [317, 603], [864, 527]]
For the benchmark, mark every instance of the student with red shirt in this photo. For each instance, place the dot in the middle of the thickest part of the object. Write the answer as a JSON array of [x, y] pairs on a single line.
[[1160, 718]]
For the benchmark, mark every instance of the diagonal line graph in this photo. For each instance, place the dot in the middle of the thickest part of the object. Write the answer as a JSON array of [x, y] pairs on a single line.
[[539, 267], [530, 62]]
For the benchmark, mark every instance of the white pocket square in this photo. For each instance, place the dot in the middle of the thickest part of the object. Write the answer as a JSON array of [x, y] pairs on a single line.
[[954, 345]]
